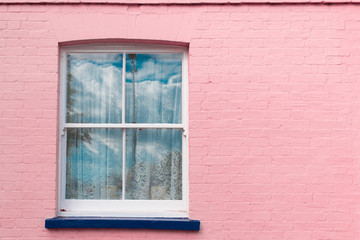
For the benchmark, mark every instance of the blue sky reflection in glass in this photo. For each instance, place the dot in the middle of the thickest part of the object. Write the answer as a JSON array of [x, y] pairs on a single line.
[[94, 156], [153, 156], [94, 90], [94, 164], [157, 88], [94, 95]]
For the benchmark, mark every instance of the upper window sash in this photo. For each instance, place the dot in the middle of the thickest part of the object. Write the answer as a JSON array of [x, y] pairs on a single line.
[[159, 93], [124, 49]]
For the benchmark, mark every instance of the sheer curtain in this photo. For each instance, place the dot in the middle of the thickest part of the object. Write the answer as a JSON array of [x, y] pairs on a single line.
[[153, 157], [94, 156], [156, 171]]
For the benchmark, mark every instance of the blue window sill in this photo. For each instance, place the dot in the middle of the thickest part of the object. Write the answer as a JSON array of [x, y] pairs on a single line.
[[130, 223]]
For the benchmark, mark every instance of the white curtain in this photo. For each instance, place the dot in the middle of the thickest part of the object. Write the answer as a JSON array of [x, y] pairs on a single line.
[[94, 156], [156, 171], [153, 164]]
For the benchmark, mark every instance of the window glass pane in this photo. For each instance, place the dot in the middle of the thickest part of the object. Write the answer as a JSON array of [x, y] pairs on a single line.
[[153, 88], [153, 164], [94, 88], [94, 164]]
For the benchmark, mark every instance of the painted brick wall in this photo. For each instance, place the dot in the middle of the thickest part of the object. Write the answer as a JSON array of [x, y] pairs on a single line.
[[274, 115]]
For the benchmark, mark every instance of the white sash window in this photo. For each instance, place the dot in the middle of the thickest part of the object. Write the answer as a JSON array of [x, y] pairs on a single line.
[[123, 131]]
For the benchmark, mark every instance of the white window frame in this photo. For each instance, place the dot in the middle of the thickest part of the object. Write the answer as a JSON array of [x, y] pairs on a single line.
[[122, 208]]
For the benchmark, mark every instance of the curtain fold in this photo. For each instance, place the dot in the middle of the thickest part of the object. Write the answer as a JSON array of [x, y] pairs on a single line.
[[156, 172], [153, 157], [94, 156]]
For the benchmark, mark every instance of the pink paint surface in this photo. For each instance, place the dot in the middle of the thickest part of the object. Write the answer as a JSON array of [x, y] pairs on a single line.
[[274, 106]]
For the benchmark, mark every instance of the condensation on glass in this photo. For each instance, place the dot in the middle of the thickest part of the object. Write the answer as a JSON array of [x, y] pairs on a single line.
[[95, 156]]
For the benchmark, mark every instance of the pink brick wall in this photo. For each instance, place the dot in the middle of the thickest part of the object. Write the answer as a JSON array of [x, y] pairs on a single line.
[[274, 115]]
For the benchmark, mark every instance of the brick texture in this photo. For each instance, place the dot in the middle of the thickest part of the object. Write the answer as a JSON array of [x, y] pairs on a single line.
[[274, 106]]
